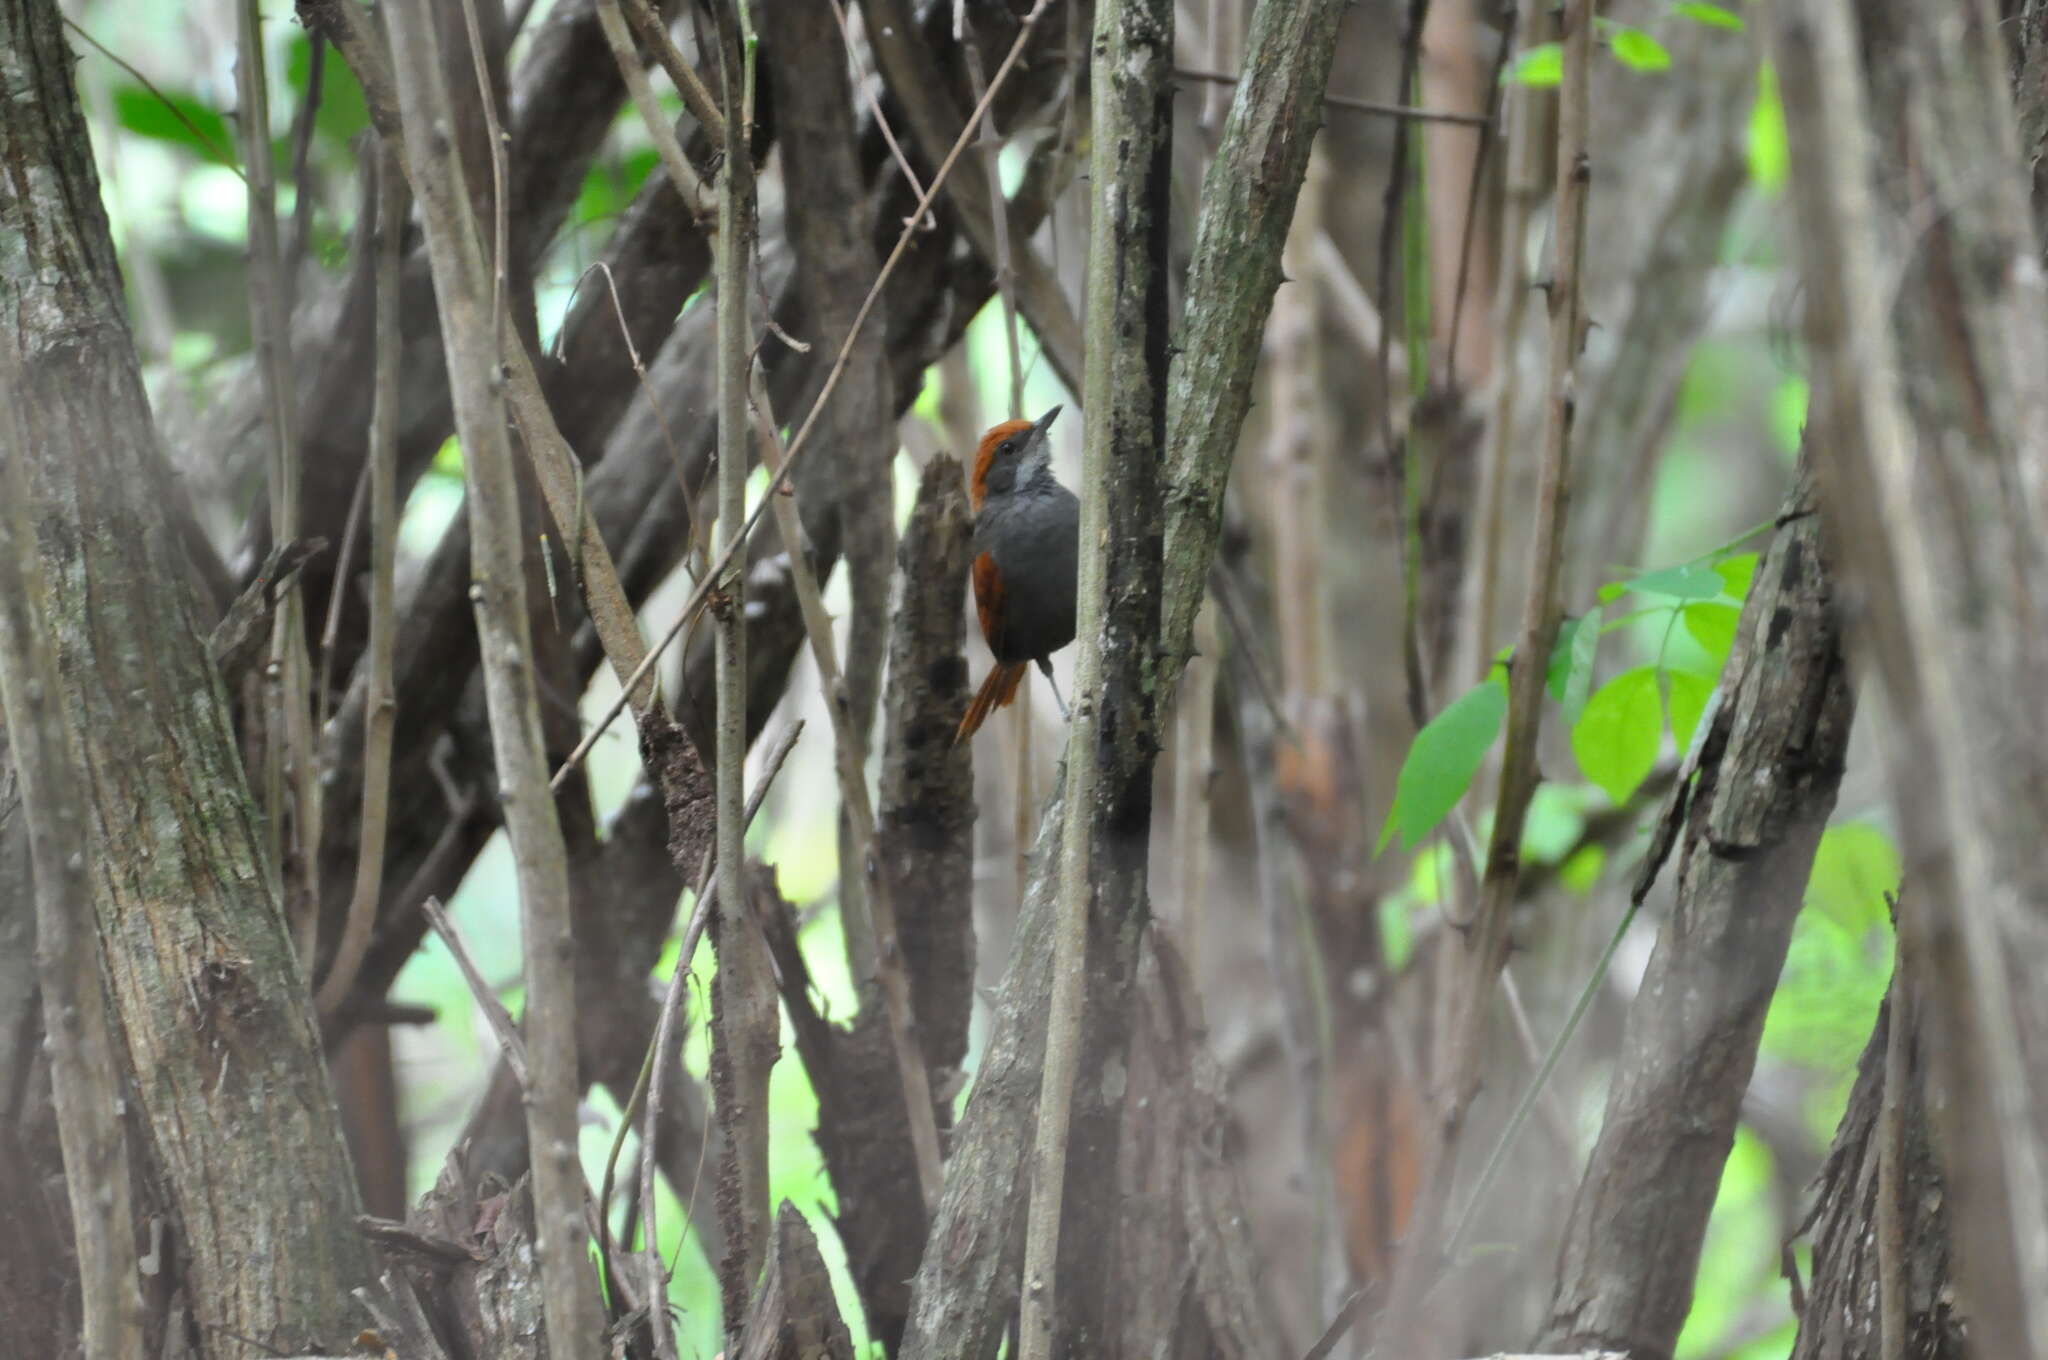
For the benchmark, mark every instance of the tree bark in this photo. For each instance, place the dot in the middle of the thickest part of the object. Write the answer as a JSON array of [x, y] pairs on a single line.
[[218, 1029], [1770, 763], [1924, 315]]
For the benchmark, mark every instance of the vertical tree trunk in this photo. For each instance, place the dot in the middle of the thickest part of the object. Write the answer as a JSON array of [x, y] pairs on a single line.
[[218, 1030], [1925, 318], [1745, 827]]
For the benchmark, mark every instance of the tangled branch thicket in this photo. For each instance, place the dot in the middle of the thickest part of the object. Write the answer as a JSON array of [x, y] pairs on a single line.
[[459, 527]]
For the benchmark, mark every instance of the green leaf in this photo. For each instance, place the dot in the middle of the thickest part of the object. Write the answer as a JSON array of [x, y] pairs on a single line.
[[176, 118], [1615, 740], [342, 112], [1689, 694], [1689, 582], [1713, 16], [1854, 866], [1770, 155], [1440, 765], [1637, 50], [1736, 573], [1540, 65], [1787, 414], [1713, 627], [1582, 870]]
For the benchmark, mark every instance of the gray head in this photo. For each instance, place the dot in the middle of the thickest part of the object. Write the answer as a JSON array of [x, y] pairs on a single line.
[[1014, 454]]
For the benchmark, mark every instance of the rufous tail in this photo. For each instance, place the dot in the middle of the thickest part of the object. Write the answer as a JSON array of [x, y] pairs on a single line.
[[996, 692]]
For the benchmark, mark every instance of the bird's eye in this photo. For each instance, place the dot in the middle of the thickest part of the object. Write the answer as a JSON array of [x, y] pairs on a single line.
[[1008, 447]]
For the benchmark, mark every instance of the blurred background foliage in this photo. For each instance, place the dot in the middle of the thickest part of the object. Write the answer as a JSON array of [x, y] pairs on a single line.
[[166, 149]]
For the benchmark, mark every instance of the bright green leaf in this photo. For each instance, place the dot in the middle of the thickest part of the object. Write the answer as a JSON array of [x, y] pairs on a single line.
[[1612, 591], [1736, 573], [1440, 765], [1770, 155], [1689, 582], [343, 112], [1713, 627], [1787, 414], [1615, 740], [1582, 870], [1540, 65], [1713, 16], [1854, 866], [176, 118], [1637, 50], [1689, 694]]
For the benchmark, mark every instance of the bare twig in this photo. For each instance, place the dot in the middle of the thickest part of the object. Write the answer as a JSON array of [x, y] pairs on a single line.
[[393, 202], [470, 307], [1487, 943], [1524, 156], [915, 79], [302, 186], [800, 442], [860, 811], [1341, 101], [487, 103], [681, 173], [486, 997], [881, 120], [290, 747], [85, 1075], [213, 148], [647, 24], [647, 1088], [740, 1067]]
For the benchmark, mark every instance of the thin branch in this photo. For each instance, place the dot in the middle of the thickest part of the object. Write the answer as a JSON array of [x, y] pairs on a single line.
[[681, 173], [654, 33], [860, 810], [380, 721], [485, 995], [213, 148], [1340, 101], [290, 746], [1487, 943], [494, 133], [470, 307], [302, 187], [800, 443], [647, 1088], [741, 1061], [1524, 156]]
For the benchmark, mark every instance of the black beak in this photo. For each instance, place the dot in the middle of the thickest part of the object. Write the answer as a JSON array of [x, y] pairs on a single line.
[[1044, 422]]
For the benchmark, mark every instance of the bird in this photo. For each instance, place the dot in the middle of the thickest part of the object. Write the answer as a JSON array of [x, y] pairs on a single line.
[[1027, 538]]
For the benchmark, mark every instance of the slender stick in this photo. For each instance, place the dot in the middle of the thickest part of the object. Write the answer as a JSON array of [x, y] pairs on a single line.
[[1487, 943], [740, 1075], [289, 748], [860, 811], [660, 1058], [1402, 112], [680, 172], [380, 722], [465, 284]]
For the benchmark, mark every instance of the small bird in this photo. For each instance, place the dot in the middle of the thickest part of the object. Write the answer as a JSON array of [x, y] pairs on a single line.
[[1027, 537]]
